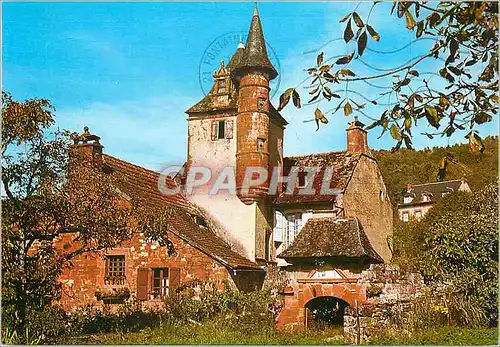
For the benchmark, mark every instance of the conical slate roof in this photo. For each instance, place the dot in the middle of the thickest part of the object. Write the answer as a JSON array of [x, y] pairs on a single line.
[[255, 53]]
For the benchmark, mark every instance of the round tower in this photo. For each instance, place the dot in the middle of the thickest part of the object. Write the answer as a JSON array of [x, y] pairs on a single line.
[[252, 75]]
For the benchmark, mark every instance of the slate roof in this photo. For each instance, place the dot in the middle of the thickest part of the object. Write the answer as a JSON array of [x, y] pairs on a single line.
[[255, 54], [331, 238], [342, 163], [433, 190], [141, 185]]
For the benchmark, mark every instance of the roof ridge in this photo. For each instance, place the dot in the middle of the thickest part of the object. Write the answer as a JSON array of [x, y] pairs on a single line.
[[427, 184], [132, 164], [317, 153]]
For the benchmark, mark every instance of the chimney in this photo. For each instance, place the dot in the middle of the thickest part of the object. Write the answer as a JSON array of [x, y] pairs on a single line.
[[408, 187], [357, 139], [86, 148]]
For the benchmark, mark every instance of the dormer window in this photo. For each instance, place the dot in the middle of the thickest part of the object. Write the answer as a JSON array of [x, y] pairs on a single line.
[[302, 177], [200, 221], [408, 199]]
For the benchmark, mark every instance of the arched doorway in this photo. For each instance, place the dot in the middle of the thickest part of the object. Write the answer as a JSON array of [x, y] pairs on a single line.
[[325, 312]]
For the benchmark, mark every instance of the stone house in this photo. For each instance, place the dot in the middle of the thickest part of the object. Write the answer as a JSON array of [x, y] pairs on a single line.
[[323, 241], [418, 199]]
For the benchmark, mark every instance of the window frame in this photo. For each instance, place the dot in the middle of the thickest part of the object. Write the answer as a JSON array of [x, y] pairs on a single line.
[[115, 269], [405, 216], [221, 129], [162, 290]]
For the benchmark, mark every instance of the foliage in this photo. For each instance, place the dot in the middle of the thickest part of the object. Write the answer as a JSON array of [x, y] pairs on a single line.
[[422, 166], [54, 193], [466, 40], [203, 301], [214, 332], [456, 244], [453, 336]]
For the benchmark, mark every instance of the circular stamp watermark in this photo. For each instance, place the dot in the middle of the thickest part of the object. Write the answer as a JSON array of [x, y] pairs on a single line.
[[223, 48]]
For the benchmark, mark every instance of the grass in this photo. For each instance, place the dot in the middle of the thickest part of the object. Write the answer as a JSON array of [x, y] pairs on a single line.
[[443, 336], [214, 334], [211, 333]]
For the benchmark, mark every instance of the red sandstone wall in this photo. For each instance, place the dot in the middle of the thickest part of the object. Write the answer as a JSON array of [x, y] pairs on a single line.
[[81, 281]]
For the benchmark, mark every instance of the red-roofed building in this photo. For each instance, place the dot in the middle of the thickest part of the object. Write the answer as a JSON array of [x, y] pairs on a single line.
[[324, 227]]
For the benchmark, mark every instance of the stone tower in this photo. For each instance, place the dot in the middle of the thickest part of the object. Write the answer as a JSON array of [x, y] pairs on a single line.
[[236, 126], [252, 76]]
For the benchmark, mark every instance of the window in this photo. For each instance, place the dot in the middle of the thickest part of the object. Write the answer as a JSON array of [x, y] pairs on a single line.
[[406, 216], [200, 221], [260, 144], [261, 104], [408, 199], [292, 227], [160, 283], [418, 214], [302, 179], [220, 129], [115, 269]]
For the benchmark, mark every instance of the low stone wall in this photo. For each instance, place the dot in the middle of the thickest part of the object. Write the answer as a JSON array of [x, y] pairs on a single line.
[[390, 295]]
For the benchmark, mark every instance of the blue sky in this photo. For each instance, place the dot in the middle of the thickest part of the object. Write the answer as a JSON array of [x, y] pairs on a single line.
[[130, 70]]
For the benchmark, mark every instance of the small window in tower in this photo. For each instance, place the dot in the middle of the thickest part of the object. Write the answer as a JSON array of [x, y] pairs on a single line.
[[260, 144], [261, 104], [302, 179], [220, 131]]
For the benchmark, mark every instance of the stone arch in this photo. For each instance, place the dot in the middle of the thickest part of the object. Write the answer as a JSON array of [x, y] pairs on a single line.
[[292, 316], [324, 311], [346, 292]]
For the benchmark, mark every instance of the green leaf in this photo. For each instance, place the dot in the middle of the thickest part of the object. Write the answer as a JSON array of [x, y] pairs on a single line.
[[432, 116], [319, 117], [347, 109], [348, 33], [373, 33], [347, 72], [395, 132], [407, 123], [285, 98], [410, 21]]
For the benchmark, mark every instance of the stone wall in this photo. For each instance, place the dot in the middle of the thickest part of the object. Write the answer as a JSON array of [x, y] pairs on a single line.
[[366, 198], [87, 275], [390, 294]]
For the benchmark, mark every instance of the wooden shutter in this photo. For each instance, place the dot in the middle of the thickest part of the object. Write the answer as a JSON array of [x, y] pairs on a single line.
[[106, 260], [174, 279], [142, 283], [215, 130], [229, 129]]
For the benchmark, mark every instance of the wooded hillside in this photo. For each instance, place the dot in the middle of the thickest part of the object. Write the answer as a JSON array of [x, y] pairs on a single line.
[[422, 166]]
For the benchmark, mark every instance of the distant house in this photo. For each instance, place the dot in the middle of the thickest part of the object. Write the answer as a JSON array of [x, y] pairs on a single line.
[[418, 199]]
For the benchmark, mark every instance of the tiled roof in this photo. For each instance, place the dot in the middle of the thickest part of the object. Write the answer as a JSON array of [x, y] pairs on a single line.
[[434, 191], [141, 186], [331, 238], [342, 163], [255, 54]]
